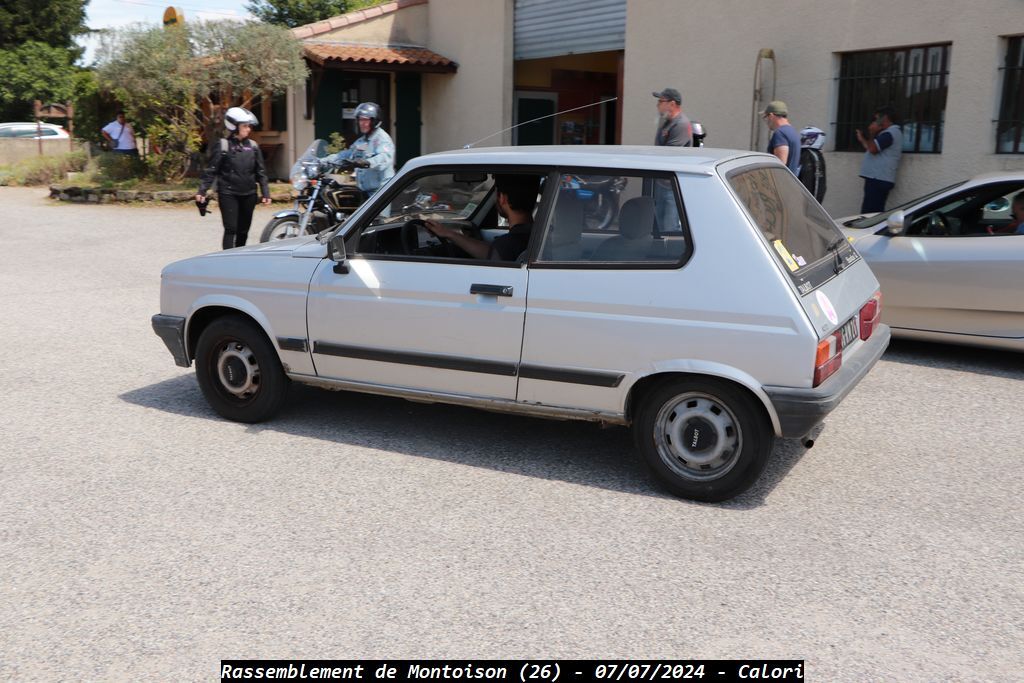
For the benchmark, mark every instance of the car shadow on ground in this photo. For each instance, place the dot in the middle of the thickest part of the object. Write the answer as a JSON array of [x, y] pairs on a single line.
[[581, 453], [994, 362]]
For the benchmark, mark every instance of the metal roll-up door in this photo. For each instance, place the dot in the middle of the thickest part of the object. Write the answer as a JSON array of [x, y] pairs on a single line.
[[552, 28]]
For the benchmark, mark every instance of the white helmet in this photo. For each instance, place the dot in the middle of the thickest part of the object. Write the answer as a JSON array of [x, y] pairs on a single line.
[[239, 115], [813, 138]]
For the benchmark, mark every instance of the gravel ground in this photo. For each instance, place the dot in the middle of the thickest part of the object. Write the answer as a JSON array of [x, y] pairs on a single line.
[[143, 538]]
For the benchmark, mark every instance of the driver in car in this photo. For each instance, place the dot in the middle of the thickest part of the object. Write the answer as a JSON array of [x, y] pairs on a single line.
[[1016, 224], [516, 198]]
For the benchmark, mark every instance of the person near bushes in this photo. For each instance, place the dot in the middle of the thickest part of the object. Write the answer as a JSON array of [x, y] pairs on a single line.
[[120, 135], [236, 163]]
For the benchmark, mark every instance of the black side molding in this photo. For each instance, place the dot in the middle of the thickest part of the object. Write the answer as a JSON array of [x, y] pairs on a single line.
[[427, 360], [593, 378], [292, 344], [588, 377]]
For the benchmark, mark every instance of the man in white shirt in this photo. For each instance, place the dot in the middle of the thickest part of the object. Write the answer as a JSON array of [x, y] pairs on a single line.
[[120, 135]]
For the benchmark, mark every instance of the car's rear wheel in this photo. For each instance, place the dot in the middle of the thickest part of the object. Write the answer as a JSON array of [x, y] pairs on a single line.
[[703, 439], [239, 371]]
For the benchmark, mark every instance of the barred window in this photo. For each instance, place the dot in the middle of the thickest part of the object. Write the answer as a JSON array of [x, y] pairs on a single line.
[[1010, 126], [913, 80]]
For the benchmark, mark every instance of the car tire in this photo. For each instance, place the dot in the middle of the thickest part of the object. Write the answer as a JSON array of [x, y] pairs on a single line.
[[703, 439], [239, 371]]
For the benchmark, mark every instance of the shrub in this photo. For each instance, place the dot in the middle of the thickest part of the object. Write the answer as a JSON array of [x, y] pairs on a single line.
[[44, 170], [335, 143], [115, 167]]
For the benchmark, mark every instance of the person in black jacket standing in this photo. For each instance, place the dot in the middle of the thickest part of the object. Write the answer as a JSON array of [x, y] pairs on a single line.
[[236, 163]]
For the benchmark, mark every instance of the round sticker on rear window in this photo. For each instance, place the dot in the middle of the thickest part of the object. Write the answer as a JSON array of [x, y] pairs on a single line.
[[827, 307]]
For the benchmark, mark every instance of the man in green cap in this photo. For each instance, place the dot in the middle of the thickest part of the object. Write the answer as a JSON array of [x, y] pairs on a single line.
[[785, 141]]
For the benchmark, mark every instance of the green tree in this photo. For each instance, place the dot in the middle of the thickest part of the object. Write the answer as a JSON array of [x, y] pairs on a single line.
[[37, 53], [176, 83], [292, 13], [34, 71], [54, 22]]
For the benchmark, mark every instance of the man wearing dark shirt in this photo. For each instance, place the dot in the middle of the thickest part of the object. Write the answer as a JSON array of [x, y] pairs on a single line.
[[785, 141], [516, 197]]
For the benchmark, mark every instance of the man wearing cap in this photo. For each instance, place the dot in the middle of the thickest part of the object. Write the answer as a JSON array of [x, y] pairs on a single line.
[[674, 129], [785, 141]]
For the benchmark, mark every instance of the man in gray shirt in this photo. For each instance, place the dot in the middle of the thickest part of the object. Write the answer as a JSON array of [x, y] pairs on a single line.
[[674, 129]]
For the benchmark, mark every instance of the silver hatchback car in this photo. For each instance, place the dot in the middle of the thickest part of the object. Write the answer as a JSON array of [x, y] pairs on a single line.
[[701, 296]]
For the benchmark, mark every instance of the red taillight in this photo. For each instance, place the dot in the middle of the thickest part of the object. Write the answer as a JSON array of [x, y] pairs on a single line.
[[829, 357], [869, 315]]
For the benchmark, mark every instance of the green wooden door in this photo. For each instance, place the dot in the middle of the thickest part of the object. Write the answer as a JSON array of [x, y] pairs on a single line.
[[407, 117]]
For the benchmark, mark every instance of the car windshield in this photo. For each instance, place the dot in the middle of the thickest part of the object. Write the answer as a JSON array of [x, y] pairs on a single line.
[[878, 218]]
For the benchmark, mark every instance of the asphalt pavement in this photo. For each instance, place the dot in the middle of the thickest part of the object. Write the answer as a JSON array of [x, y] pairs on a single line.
[[144, 538]]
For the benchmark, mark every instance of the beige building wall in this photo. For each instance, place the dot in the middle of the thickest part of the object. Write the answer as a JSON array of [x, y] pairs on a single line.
[[457, 108], [408, 26], [708, 48], [476, 101]]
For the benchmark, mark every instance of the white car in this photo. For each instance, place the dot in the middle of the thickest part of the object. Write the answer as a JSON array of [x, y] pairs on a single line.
[[46, 131], [717, 309]]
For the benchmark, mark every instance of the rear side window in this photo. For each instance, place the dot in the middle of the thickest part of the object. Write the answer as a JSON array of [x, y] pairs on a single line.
[[802, 236], [615, 220]]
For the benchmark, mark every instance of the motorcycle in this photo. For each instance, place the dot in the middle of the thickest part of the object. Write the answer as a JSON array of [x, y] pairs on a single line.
[[321, 203], [811, 171], [599, 196]]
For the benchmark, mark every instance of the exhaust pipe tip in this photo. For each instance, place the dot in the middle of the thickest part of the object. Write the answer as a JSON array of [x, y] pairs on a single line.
[[807, 442]]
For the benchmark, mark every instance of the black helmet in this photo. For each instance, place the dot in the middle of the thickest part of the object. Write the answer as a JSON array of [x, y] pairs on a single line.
[[369, 110]]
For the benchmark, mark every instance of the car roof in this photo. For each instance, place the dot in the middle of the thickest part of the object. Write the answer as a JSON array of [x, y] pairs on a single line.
[[19, 124], [698, 160], [996, 176]]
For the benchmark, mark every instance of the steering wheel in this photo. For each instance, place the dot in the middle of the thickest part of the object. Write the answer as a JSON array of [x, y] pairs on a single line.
[[410, 235], [411, 239], [938, 224]]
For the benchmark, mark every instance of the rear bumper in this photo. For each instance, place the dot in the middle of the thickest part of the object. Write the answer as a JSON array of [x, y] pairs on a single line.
[[800, 410], [171, 329]]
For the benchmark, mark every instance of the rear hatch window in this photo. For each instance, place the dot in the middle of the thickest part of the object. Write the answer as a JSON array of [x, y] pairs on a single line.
[[803, 238]]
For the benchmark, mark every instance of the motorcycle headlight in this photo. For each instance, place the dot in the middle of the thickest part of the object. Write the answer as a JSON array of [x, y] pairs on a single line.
[[299, 181]]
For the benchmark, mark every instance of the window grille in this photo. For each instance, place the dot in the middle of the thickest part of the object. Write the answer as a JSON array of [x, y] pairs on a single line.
[[913, 80]]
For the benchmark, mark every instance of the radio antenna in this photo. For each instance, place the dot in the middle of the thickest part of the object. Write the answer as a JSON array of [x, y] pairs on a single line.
[[539, 118]]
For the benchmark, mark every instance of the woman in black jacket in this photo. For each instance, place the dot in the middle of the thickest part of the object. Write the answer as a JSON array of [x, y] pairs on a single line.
[[237, 164]]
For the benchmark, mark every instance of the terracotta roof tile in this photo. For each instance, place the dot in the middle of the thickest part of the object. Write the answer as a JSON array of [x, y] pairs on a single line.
[[394, 55]]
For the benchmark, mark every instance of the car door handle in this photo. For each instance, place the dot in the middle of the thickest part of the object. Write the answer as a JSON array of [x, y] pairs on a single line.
[[492, 290]]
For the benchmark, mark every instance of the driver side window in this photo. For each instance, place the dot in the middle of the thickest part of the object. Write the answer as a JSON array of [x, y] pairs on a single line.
[[977, 212], [452, 198]]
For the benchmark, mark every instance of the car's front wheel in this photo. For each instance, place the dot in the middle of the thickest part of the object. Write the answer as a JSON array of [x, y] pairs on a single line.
[[239, 371], [703, 439]]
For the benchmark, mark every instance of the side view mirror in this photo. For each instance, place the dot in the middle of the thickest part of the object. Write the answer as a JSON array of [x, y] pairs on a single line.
[[895, 222], [336, 252]]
